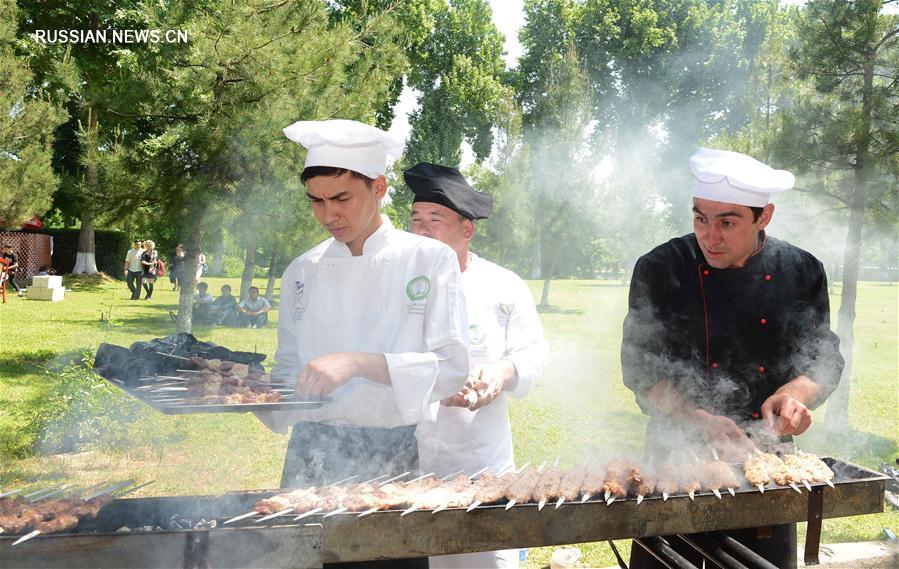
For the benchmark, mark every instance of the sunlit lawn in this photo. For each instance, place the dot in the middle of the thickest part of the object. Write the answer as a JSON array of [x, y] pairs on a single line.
[[581, 407]]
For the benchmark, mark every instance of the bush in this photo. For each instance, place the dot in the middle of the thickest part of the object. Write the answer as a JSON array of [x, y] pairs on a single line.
[[84, 412]]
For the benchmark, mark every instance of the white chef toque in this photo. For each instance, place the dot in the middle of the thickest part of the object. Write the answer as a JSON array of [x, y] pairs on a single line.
[[731, 177], [347, 144]]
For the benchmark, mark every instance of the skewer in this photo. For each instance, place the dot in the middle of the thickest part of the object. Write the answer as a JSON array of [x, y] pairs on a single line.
[[807, 485], [240, 517], [28, 536], [409, 510], [422, 477], [173, 356], [375, 479], [510, 504], [516, 470], [453, 475], [440, 509], [732, 492], [275, 515], [559, 502], [108, 490], [585, 498], [717, 493], [334, 512], [692, 495], [363, 514], [343, 481], [794, 487], [473, 505], [761, 488], [610, 500], [639, 499], [540, 505], [311, 512], [607, 494], [397, 477], [478, 473], [37, 493], [664, 496], [715, 453], [829, 483]]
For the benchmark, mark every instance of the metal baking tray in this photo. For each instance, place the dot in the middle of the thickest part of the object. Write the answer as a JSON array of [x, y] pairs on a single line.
[[174, 406]]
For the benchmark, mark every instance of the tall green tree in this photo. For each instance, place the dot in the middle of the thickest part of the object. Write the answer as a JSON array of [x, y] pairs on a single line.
[[87, 77], [250, 69], [27, 122], [846, 129], [558, 181]]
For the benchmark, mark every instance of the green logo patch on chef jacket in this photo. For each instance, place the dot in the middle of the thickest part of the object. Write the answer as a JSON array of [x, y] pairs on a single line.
[[476, 335], [418, 288]]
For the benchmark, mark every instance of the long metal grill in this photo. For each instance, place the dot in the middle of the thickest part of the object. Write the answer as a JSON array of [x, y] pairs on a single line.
[[190, 531]]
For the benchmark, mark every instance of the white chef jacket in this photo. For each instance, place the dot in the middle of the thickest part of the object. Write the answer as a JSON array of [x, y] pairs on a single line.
[[503, 324], [403, 298]]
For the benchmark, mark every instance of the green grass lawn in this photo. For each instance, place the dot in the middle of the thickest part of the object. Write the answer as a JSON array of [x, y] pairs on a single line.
[[579, 409]]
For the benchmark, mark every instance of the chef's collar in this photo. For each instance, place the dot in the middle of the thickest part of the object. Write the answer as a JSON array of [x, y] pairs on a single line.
[[374, 242]]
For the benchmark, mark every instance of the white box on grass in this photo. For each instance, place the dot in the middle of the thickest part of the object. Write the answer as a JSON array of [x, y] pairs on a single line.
[[49, 281], [57, 293]]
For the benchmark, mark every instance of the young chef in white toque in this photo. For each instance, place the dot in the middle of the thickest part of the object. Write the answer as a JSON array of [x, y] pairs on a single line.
[[373, 318], [506, 351]]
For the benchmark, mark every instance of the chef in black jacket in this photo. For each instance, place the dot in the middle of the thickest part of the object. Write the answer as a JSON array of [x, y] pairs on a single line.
[[728, 325]]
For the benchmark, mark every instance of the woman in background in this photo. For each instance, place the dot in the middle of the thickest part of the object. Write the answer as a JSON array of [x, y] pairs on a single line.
[[148, 262]]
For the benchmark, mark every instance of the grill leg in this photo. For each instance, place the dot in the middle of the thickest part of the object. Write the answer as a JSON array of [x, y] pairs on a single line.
[[621, 563], [813, 534]]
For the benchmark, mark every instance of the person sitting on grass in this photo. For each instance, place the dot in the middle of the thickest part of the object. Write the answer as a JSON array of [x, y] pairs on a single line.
[[223, 310], [253, 310], [202, 305]]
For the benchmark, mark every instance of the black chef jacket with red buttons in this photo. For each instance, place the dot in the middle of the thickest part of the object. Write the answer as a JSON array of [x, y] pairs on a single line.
[[728, 338]]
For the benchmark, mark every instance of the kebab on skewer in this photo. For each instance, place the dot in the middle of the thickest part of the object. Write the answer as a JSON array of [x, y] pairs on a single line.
[[640, 483], [689, 479], [548, 487], [48, 516], [780, 472], [667, 482], [593, 482], [614, 484], [570, 486], [810, 468]]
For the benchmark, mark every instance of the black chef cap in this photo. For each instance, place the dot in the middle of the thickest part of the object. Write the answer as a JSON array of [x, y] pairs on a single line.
[[433, 183]]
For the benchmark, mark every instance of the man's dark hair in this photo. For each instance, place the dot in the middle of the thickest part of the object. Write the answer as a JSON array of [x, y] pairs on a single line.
[[252, 288], [226, 287], [313, 171], [756, 213], [202, 285], [138, 241]]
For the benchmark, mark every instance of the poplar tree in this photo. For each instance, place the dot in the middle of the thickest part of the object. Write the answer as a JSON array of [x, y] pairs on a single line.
[[27, 122]]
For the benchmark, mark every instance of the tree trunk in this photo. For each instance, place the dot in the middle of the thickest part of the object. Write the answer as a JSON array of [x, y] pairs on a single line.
[[249, 267], [272, 267], [218, 259], [85, 258], [536, 261], [189, 271], [838, 406], [548, 270]]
